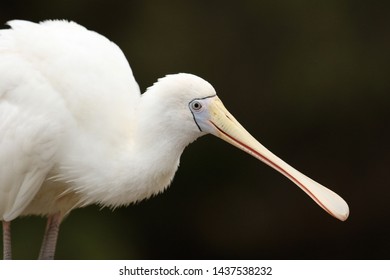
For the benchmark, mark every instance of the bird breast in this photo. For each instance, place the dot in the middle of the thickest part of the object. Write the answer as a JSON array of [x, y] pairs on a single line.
[[110, 187]]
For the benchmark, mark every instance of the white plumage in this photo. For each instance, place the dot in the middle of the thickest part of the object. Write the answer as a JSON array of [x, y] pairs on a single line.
[[75, 129]]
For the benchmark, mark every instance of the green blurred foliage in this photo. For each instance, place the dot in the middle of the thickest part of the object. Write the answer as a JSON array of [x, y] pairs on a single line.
[[309, 79]]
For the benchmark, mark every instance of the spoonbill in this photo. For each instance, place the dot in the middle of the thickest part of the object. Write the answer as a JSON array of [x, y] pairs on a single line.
[[75, 129]]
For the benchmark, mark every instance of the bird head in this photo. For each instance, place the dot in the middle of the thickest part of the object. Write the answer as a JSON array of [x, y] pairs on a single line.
[[202, 112]]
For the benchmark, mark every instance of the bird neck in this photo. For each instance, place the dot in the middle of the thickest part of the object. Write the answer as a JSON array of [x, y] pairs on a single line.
[[161, 130]]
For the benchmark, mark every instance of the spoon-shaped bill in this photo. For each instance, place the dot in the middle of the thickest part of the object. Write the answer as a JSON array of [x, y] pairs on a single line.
[[230, 130]]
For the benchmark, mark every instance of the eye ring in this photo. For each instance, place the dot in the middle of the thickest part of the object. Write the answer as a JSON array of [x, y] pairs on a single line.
[[196, 105]]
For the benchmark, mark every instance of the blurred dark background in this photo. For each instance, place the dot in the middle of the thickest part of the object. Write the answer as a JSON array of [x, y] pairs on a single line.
[[309, 79]]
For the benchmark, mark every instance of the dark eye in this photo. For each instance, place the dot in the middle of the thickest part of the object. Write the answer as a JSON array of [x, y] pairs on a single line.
[[196, 105]]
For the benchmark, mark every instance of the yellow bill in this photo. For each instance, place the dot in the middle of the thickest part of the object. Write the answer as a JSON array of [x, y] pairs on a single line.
[[214, 118]]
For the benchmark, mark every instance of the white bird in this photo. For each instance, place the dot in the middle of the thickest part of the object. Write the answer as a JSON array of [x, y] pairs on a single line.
[[75, 129]]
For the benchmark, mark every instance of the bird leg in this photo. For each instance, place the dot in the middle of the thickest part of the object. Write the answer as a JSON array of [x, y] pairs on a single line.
[[50, 238], [7, 252]]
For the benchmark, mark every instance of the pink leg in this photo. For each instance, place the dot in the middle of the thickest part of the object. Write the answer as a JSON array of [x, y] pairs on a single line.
[[7, 252], [50, 238]]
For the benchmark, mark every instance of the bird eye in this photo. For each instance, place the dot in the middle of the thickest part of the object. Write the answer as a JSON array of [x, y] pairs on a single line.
[[196, 105]]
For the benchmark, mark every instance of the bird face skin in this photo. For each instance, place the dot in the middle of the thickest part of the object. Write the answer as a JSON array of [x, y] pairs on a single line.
[[212, 117]]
